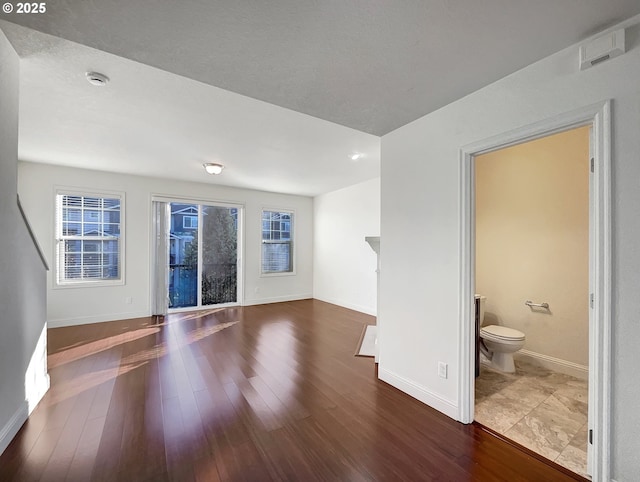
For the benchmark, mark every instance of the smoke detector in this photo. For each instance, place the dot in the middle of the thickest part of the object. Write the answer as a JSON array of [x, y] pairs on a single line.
[[96, 78]]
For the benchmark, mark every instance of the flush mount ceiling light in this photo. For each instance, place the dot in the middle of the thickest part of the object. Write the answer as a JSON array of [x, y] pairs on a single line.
[[96, 78], [213, 168], [356, 156]]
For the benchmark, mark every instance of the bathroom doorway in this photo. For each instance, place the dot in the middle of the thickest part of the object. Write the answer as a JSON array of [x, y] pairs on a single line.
[[593, 123], [532, 270]]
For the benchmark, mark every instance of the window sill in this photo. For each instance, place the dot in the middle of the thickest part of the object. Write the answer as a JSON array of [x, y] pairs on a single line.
[[88, 284], [275, 275]]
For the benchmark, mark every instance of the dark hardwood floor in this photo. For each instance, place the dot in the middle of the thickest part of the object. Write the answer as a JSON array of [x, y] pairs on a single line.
[[259, 393]]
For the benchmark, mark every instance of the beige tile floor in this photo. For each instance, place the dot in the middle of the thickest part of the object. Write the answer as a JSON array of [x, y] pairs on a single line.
[[540, 409]]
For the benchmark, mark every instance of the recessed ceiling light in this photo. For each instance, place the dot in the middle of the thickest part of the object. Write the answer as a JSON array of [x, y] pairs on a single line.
[[356, 156], [96, 78], [213, 168]]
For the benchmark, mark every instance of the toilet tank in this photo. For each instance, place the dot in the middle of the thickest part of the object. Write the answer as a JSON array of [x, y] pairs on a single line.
[[480, 303]]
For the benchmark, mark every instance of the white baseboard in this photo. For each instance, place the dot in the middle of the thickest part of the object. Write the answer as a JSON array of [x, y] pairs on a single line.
[[419, 392], [86, 320], [367, 310], [277, 299], [555, 364], [13, 425]]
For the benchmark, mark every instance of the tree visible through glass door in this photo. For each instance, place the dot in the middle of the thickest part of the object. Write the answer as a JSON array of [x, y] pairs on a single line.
[[203, 255], [219, 255]]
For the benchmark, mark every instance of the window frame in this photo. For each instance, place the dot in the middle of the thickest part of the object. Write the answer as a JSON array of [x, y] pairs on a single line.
[[291, 242], [58, 281]]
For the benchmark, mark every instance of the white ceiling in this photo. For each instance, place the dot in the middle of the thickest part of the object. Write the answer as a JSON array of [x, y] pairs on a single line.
[[150, 122], [372, 66]]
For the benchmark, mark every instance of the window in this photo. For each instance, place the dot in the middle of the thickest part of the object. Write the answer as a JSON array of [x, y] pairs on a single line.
[[89, 238], [190, 222], [277, 239]]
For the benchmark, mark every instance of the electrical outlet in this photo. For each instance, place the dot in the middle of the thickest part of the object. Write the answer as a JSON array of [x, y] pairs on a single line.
[[257, 289], [442, 370], [128, 300]]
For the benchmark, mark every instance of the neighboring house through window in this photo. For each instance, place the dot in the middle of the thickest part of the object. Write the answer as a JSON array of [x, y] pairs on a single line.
[[277, 242], [89, 238]]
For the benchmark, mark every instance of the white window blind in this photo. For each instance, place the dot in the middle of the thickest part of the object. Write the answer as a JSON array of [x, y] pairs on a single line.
[[88, 238]]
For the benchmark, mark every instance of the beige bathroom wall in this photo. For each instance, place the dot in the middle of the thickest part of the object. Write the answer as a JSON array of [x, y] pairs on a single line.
[[532, 241]]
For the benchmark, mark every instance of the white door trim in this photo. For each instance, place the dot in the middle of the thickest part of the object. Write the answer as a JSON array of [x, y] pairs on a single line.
[[599, 117]]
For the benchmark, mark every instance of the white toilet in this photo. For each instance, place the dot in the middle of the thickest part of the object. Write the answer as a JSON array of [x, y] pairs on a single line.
[[498, 343]]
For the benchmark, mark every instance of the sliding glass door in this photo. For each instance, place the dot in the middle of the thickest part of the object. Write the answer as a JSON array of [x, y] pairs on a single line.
[[183, 255], [203, 255], [219, 280]]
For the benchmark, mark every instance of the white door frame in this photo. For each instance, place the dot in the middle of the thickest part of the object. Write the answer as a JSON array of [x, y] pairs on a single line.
[[598, 116]]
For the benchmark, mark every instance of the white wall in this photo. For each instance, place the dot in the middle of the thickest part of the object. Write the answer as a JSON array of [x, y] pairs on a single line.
[[344, 265], [420, 222], [22, 278], [37, 183]]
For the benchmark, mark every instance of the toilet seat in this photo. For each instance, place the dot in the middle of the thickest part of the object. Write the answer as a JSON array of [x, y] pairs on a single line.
[[501, 333]]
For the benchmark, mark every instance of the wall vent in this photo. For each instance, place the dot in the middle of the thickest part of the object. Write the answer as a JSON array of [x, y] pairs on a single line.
[[602, 49]]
